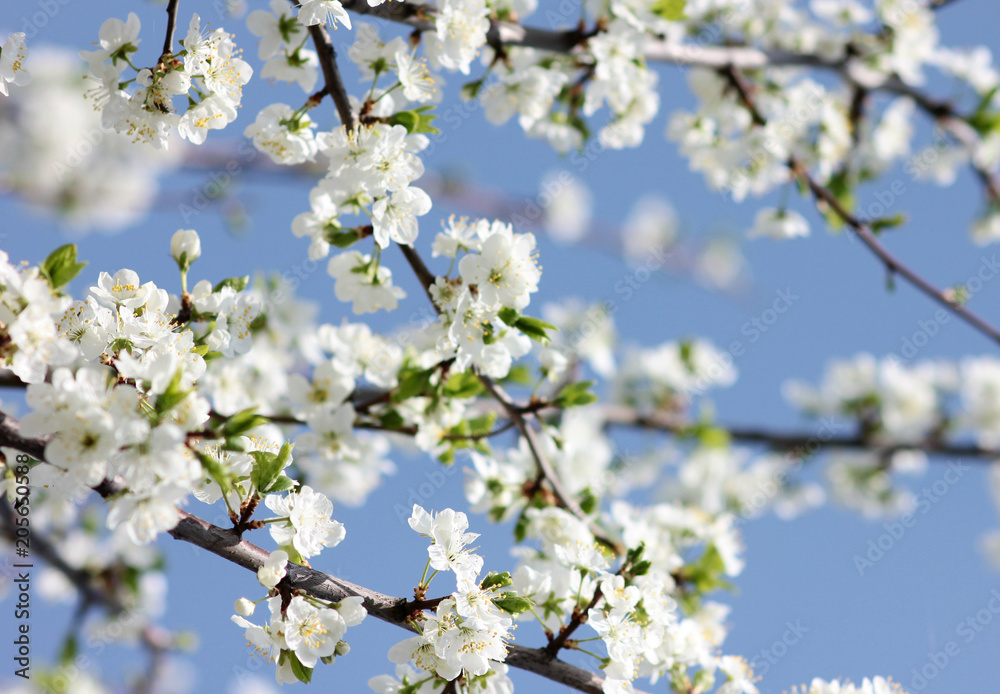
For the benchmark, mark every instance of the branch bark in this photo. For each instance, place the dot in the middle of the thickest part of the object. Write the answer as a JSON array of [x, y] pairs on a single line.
[[168, 40], [616, 415], [331, 75]]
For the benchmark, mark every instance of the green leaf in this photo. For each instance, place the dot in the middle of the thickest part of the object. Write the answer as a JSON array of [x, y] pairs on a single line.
[[576, 394], [841, 188], [535, 328], [173, 394], [641, 568], [519, 374], [301, 672], [480, 426], [408, 119], [463, 385], [470, 90], [494, 579], [242, 422], [713, 437], [521, 527], [426, 118], [882, 223], [508, 315], [267, 467], [391, 419], [61, 266], [413, 384], [222, 475], [983, 119], [342, 239], [513, 603], [69, 650], [706, 572], [281, 484], [237, 284], [415, 121], [671, 10]]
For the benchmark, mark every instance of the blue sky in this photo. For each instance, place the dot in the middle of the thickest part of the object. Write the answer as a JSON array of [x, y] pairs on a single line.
[[799, 574]]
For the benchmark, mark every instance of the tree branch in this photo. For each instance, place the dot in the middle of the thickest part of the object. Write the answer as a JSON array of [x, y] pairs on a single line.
[[618, 415], [545, 469], [425, 276], [331, 75], [168, 41]]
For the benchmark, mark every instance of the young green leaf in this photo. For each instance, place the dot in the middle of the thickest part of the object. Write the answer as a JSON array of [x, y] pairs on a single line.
[[61, 266]]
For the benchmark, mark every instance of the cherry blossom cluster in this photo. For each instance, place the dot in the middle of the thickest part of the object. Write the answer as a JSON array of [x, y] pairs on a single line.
[[840, 133], [466, 635], [635, 610], [894, 404], [208, 73], [302, 630]]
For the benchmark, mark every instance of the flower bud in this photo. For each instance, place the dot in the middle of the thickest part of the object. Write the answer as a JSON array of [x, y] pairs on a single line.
[[244, 607], [185, 247]]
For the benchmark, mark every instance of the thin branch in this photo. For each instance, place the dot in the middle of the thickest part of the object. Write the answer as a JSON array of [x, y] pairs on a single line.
[[893, 264], [579, 618], [861, 229], [331, 75], [545, 469], [425, 276], [617, 415], [10, 435], [168, 41]]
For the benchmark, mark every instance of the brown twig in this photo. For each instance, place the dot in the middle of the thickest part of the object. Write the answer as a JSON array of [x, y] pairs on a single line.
[[331, 74], [617, 415], [425, 276], [168, 40], [545, 469]]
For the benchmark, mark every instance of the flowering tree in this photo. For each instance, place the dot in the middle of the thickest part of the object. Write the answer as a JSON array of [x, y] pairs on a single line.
[[153, 408]]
